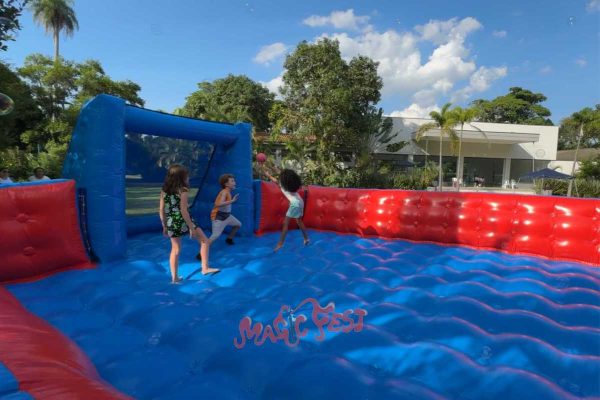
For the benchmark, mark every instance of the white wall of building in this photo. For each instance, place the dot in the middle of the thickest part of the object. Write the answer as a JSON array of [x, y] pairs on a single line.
[[543, 149], [563, 166]]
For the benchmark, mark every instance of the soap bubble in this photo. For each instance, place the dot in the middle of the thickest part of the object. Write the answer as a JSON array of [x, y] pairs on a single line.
[[6, 104], [571, 20]]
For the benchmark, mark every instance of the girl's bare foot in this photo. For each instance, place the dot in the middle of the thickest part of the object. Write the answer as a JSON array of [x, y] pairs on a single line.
[[209, 271], [306, 242], [176, 280], [278, 247]]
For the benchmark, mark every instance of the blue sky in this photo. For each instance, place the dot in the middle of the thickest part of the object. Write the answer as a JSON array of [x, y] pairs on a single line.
[[430, 51]]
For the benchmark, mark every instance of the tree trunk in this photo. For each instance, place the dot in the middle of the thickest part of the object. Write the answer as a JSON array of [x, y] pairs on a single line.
[[56, 45], [458, 164], [575, 161], [440, 169]]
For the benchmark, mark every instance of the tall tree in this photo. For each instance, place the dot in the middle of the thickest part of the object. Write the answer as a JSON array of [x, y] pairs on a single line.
[[329, 105], [231, 99], [444, 123], [55, 16], [585, 121], [10, 11], [461, 116], [519, 106], [52, 83], [92, 81], [568, 133]]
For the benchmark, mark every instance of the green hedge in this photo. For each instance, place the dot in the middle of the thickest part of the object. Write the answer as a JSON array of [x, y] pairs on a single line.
[[581, 187]]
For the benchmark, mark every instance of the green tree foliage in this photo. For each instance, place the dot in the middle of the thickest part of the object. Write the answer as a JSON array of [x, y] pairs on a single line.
[[52, 83], [55, 16], [10, 11], [519, 106], [570, 129], [329, 105], [92, 80], [590, 169], [26, 114], [48, 96], [231, 99]]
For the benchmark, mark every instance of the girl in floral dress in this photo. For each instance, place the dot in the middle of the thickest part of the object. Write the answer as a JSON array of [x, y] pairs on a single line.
[[176, 220]]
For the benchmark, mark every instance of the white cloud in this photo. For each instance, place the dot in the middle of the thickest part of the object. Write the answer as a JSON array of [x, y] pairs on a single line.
[[480, 81], [427, 79], [440, 32], [415, 111], [582, 62], [270, 52], [499, 34], [406, 71], [593, 5], [340, 20], [274, 85], [546, 70]]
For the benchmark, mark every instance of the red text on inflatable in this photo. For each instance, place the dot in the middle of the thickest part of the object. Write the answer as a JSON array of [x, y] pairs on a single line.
[[290, 328]]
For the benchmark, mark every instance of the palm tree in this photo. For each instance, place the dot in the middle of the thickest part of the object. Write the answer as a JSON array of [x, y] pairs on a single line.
[[581, 119], [463, 116], [445, 124], [55, 16]]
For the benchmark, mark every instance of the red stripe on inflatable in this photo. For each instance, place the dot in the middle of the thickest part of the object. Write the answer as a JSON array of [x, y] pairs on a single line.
[[46, 364], [558, 228], [40, 231]]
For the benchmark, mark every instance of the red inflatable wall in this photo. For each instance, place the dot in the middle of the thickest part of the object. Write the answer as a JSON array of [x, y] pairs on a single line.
[[555, 227], [40, 231], [47, 364], [273, 207]]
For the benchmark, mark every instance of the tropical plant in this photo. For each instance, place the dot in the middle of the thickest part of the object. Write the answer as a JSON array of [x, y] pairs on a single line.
[[461, 116], [55, 16], [590, 169], [444, 123], [582, 119]]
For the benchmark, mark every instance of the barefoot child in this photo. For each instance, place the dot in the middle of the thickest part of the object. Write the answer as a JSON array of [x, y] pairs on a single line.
[[289, 183], [176, 220], [221, 213]]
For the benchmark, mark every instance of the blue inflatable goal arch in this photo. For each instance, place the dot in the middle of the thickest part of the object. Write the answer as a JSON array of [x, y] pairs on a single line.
[[96, 159]]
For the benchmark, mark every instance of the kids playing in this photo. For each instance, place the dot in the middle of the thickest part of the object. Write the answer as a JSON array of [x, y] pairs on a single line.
[[290, 183], [176, 220]]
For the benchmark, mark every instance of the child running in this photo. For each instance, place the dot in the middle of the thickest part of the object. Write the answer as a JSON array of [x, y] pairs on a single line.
[[176, 220], [221, 213], [290, 183]]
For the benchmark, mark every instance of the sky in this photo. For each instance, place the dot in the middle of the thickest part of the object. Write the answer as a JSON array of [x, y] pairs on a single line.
[[429, 51]]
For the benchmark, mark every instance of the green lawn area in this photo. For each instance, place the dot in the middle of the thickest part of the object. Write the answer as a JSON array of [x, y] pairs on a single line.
[[143, 199]]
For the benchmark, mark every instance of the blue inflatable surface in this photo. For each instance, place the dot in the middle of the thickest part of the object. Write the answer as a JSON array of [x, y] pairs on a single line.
[[441, 322]]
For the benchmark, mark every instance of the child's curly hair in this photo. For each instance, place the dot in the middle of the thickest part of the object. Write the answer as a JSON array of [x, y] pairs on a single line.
[[290, 180]]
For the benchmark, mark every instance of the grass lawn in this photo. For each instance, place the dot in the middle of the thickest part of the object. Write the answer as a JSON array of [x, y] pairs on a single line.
[[142, 199]]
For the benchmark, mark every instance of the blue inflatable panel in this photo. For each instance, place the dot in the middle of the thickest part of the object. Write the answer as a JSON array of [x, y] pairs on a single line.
[[9, 387], [437, 322]]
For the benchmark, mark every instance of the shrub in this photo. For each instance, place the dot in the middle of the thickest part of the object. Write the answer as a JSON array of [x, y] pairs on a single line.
[[581, 187]]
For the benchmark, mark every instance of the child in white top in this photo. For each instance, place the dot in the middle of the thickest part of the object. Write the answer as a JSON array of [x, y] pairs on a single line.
[[290, 183]]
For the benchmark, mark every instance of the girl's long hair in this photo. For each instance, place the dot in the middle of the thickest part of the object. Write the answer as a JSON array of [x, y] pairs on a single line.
[[290, 180], [176, 180]]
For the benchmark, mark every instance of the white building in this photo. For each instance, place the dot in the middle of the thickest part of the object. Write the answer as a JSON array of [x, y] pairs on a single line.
[[505, 153]]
